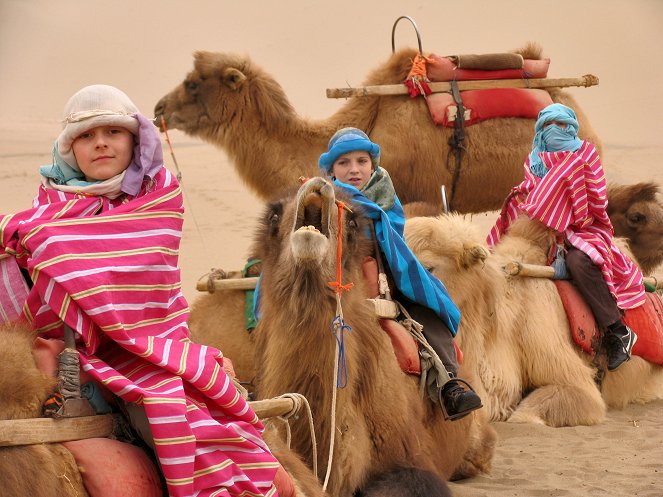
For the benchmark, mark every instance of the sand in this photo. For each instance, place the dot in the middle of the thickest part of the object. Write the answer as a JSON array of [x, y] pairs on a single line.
[[48, 50]]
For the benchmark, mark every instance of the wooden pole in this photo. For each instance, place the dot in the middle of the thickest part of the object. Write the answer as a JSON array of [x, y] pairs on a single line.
[[203, 284], [269, 408], [51, 430], [439, 87], [515, 268]]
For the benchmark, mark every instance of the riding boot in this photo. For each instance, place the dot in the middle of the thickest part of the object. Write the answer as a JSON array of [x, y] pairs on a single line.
[[456, 401]]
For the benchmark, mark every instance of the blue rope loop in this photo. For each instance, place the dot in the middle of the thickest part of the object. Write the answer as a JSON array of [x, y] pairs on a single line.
[[339, 328]]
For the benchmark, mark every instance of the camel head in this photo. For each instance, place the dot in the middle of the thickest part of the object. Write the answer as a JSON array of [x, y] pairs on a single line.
[[450, 247], [636, 212], [221, 92], [297, 242]]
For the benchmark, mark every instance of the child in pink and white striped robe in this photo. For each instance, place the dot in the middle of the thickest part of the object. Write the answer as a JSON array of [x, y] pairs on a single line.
[[565, 189], [99, 250]]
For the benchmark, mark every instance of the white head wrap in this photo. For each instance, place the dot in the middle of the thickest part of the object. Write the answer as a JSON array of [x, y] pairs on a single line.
[[92, 106]]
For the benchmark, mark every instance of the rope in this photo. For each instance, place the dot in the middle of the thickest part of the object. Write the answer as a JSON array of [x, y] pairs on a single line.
[[417, 79], [338, 325], [297, 401], [179, 179]]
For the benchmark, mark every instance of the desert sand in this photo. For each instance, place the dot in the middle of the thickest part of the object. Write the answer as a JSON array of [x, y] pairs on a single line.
[[48, 50]]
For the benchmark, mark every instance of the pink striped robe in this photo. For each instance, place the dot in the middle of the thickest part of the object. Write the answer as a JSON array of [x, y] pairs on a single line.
[[571, 199], [109, 270]]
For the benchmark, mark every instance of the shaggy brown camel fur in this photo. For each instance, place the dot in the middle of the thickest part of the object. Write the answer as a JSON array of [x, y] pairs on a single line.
[[514, 331], [233, 104], [636, 212], [45, 470], [382, 423], [36, 470]]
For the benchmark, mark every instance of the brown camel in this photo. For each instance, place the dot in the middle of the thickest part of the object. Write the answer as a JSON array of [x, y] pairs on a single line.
[[382, 423], [230, 102], [636, 212], [44, 470], [514, 331]]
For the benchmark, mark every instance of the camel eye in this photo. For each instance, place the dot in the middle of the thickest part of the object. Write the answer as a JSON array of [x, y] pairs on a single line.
[[430, 269], [191, 86], [352, 223]]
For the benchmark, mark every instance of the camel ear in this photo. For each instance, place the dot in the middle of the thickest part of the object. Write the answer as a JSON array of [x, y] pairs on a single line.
[[233, 78], [473, 254]]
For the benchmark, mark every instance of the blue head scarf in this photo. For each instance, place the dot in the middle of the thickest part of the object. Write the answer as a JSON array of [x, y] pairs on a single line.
[[553, 138], [348, 140]]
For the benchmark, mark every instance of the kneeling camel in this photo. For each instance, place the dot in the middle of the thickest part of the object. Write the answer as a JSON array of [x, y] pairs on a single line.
[[515, 332]]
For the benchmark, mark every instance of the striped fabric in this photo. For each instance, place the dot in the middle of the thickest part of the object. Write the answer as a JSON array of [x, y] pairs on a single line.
[[571, 199], [109, 270], [411, 278]]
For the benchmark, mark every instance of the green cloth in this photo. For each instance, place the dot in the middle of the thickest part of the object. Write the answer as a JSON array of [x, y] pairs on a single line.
[[249, 315], [380, 189]]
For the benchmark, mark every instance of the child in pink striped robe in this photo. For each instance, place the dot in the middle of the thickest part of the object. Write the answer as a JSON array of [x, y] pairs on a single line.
[[100, 253], [565, 189]]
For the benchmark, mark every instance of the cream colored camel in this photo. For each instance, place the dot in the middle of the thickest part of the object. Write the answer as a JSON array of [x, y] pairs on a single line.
[[230, 102], [45, 470], [514, 331], [381, 421]]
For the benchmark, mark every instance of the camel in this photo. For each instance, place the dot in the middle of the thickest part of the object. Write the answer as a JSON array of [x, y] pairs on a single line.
[[514, 331], [44, 470], [228, 101], [382, 423]]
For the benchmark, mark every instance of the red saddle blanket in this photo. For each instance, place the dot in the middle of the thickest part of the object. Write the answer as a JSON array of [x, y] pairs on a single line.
[[646, 321], [486, 104]]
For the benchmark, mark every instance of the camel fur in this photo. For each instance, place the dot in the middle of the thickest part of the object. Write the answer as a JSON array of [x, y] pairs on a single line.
[[514, 330], [636, 212], [382, 423], [228, 101], [36, 470], [45, 470]]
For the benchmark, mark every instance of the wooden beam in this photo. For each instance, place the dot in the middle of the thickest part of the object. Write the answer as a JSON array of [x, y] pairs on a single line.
[[439, 87], [50, 430], [269, 408], [15, 432], [515, 268], [203, 284]]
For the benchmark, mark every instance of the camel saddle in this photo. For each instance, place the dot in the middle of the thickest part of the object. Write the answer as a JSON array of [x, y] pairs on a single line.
[[646, 321], [479, 105], [406, 347]]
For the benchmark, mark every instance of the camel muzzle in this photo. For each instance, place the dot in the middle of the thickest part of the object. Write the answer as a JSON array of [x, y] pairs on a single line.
[[315, 199]]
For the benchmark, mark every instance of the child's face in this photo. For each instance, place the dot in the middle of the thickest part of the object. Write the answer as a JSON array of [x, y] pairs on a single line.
[[353, 168], [103, 152]]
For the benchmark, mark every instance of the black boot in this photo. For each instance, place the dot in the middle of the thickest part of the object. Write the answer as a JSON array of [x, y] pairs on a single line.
[[457, 402], [619, 341]]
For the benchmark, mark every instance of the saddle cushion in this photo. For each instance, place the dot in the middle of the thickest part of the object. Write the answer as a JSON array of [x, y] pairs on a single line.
[[111, 468], [441, 68], [405, 346], [646, 321], [488, 104]]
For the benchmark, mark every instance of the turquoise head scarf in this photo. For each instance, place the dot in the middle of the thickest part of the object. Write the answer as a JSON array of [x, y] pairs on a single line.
[[348, 140], [553, 138]]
